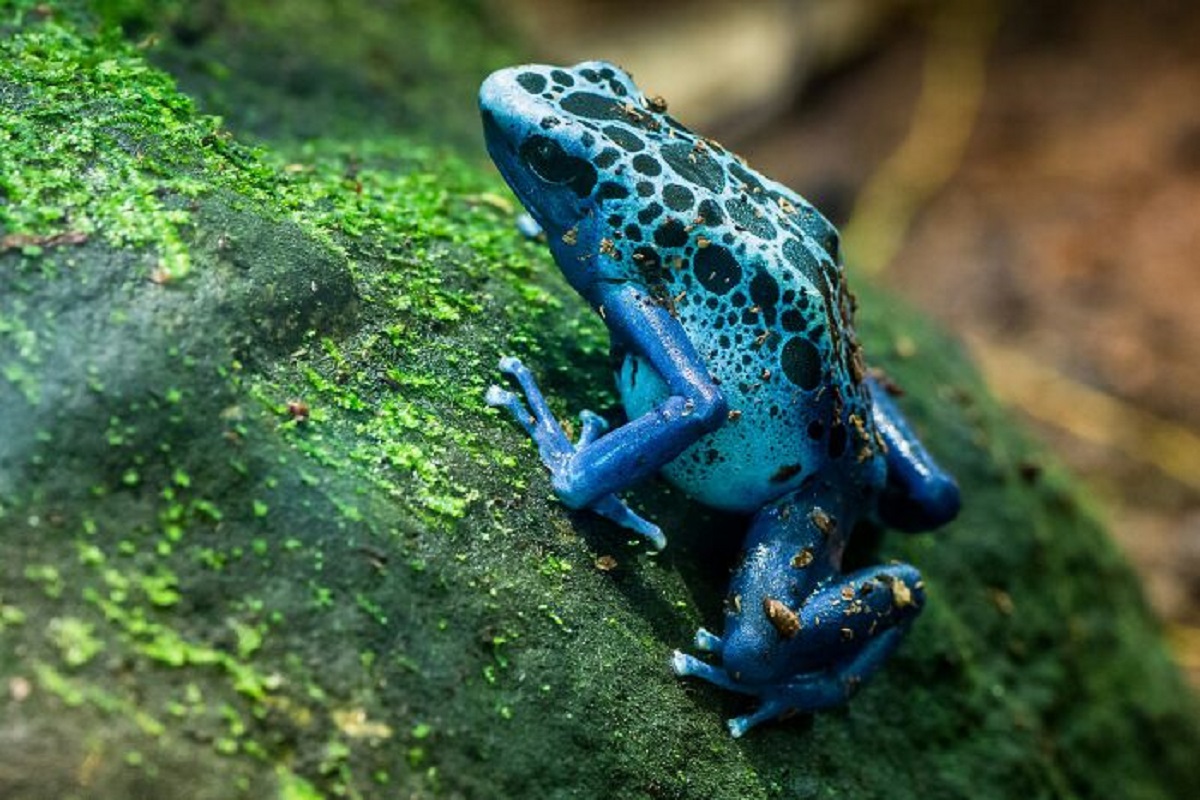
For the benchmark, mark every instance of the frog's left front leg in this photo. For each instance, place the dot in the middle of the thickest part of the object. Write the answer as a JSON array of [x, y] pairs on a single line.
[[588, 475]]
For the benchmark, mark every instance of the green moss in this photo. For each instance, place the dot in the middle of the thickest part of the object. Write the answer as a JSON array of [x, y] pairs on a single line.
[[48, 576], [345, 69], [10, 617], [75, 692], [124, 168], [293, 787], [75, 640]]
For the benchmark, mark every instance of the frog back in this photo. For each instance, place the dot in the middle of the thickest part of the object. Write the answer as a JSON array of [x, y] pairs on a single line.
[[773, 322]]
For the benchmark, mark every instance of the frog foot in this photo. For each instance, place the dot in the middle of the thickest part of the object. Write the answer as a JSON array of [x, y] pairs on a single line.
[[804, 693], [556, 450], [801, 693]]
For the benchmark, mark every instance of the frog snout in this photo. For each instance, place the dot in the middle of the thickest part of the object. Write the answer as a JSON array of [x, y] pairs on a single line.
[[495, 97], [500, 92]]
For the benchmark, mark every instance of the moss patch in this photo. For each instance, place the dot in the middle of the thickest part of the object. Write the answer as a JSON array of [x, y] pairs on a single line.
[[258, 534], [341, 69]]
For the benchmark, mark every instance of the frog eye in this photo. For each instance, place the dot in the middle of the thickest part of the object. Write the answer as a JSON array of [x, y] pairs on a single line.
[[545, 158], [551, 164]]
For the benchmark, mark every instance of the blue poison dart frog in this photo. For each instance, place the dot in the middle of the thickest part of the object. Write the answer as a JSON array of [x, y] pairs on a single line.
[[740, 373]]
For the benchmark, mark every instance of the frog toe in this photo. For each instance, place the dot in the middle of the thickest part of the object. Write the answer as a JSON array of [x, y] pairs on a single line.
[[616, 510], [767, 711], [533, 413], [511, 365], [528, 227], [708, 642], [687, 666], [681, 663], [593, 426], [502, 398]]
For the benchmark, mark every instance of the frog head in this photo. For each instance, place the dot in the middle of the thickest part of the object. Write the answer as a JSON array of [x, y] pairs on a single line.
[[545, 131]]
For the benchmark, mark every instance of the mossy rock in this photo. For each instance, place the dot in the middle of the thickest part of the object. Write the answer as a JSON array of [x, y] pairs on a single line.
[[259, 535]]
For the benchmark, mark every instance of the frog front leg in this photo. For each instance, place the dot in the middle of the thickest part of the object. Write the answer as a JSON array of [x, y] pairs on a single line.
[[553, 445], [589, 475], [919, 494]]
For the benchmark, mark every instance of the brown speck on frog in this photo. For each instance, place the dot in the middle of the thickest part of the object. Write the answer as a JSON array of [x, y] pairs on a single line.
[[901, 594], [784, 620], [826, 524]]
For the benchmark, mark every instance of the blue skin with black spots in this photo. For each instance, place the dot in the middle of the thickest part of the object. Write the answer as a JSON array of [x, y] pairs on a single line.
[[740, 373]]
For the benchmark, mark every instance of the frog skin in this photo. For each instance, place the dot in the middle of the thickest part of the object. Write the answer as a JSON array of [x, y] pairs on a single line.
[[740, 373]]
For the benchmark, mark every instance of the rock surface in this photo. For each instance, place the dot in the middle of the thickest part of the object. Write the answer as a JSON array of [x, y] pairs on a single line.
[[259, 535]]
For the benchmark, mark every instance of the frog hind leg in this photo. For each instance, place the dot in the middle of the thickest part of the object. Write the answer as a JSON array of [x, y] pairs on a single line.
[[811, 691], [800, 635], [866, 639], [919, 494], [827, 689]]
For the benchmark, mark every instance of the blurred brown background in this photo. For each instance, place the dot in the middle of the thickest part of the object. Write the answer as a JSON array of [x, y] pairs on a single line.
[[1026, 172]]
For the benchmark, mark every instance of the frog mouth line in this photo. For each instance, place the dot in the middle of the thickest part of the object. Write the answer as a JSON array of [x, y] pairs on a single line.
[[503, 152]]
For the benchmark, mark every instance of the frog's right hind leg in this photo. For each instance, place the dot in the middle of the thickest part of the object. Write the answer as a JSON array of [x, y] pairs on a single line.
[[919, 494]]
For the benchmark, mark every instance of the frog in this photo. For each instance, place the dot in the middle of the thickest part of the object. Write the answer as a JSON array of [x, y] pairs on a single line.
[[741, 376]]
